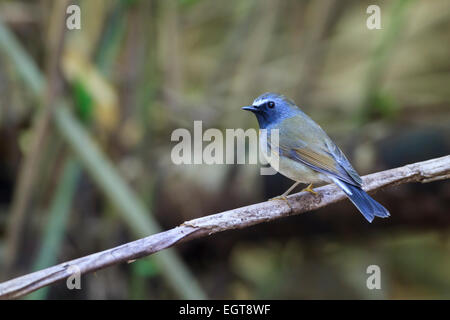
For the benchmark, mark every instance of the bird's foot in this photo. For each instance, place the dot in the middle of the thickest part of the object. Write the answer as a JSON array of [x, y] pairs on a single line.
[[282, 198], [310, 189]]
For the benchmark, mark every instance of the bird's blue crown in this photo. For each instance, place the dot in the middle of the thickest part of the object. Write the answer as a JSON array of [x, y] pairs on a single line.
[[271, 108]]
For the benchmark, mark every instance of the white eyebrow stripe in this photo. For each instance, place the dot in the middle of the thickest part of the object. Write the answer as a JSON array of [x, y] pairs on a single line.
[[260, 102]]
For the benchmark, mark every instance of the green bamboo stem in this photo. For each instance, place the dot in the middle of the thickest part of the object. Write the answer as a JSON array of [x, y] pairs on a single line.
[[57, 221]]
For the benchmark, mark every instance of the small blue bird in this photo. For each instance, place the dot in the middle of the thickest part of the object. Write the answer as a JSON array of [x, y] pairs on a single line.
[[306, 154]]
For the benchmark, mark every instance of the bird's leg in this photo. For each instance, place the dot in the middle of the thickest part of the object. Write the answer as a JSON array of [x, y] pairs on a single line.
[[310, 189], [285, 194]]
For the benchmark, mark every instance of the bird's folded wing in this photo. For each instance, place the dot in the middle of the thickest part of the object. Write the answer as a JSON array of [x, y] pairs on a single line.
[[340, 157], [320, 154], [320, 160]]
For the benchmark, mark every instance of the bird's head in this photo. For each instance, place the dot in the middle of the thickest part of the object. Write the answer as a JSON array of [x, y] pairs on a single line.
[[271, 108]]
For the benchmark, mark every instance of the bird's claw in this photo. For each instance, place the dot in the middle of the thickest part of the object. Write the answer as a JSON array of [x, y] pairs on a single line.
[[310, 189], [282, 198]]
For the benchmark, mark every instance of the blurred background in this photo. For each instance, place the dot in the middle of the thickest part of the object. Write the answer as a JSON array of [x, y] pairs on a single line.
[[86, 118]]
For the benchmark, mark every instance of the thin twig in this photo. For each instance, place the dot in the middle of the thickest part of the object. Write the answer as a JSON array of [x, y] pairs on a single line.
[[431, 170]]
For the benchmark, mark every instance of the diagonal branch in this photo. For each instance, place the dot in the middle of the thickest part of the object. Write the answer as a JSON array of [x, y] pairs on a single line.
[[426, 171]]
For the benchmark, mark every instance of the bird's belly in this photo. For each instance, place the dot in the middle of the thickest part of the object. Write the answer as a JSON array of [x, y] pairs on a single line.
[[294, 170], [298, 172]]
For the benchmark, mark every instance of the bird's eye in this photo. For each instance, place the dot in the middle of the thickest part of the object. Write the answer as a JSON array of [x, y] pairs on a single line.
[[271, 104]]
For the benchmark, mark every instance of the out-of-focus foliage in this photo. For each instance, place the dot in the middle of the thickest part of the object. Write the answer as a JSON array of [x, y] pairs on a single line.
[[137, 70]]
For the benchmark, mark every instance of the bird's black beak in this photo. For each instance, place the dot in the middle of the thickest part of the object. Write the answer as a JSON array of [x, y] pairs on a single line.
[[250, 108]]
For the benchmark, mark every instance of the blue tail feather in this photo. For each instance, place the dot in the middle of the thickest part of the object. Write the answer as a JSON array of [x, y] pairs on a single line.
[[368, 206]]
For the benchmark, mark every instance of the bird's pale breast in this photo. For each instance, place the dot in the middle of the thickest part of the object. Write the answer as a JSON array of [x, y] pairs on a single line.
[[292, 169]]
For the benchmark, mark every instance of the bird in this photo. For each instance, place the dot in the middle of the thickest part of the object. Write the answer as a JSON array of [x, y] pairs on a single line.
[[306, 154]]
